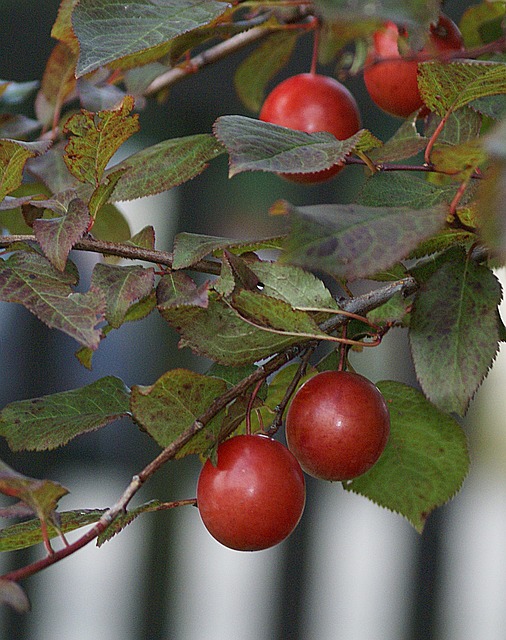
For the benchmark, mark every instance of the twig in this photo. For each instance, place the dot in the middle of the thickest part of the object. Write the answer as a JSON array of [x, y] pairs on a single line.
[[122, 250], [360, 305]]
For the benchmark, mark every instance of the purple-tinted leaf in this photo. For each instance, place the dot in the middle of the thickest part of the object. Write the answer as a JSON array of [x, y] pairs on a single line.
[[29, 279], [351, 241], [122, 286], [57, 236], [454, 331]]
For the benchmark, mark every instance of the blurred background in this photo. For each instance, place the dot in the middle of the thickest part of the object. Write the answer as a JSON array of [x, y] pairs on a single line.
[[351, 571]]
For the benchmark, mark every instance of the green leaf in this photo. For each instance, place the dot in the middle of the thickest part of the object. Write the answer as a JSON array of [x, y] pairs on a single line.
[[443, 240], [111, 225], [121, 286], [110, 30], [51, 421], [454, 331], [171, 163], [57, 236], [424, 463], [405, 143], [169, 407], [29, 279], [210, 327], [40, 495], [273, 313], [294, 285], [459, 161], [481, 23], [13, 157], [124, 519], [95, 138], [269, 57], [450, 86], [29, 533], [190, 248], [348, 241], [461, 126], [393, 187], [13, 595], [255, 145]]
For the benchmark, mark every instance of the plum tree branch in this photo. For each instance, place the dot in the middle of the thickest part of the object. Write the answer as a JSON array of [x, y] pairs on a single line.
[[359, 305]]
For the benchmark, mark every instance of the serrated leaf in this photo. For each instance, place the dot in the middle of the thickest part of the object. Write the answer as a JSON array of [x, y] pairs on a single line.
[[385, 189], [122, 286], [189, 248], [13, 595], [405, 143], [348, 241], [29, 279], [171, 163], [57, 236], [273, 313], [395, 311], [461, 126], [109, 31], [254, 145], [450, 86], [62, 27], [95, 138], [294, 285], [424, 463], [124, 519], [13, 157], [210, 327], [459, 161], [453, 330], [51, 421], [171, 405], [269, 57], [443, 240], [41, 496], [29, 533]]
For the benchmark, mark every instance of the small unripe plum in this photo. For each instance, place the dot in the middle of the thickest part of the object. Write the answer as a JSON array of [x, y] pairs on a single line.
[[337, 425], [254, 497]]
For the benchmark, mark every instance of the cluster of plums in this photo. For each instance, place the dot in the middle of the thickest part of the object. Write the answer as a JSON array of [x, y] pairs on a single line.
[[311, 102], [337, 426]]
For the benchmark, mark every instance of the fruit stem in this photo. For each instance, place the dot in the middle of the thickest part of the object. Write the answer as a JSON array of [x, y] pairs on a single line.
[[250, 405], [316, 42]]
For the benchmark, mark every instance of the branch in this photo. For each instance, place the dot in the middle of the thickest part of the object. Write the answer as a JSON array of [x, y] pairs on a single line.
[[121, 250], [207, 57], [360, 305]]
